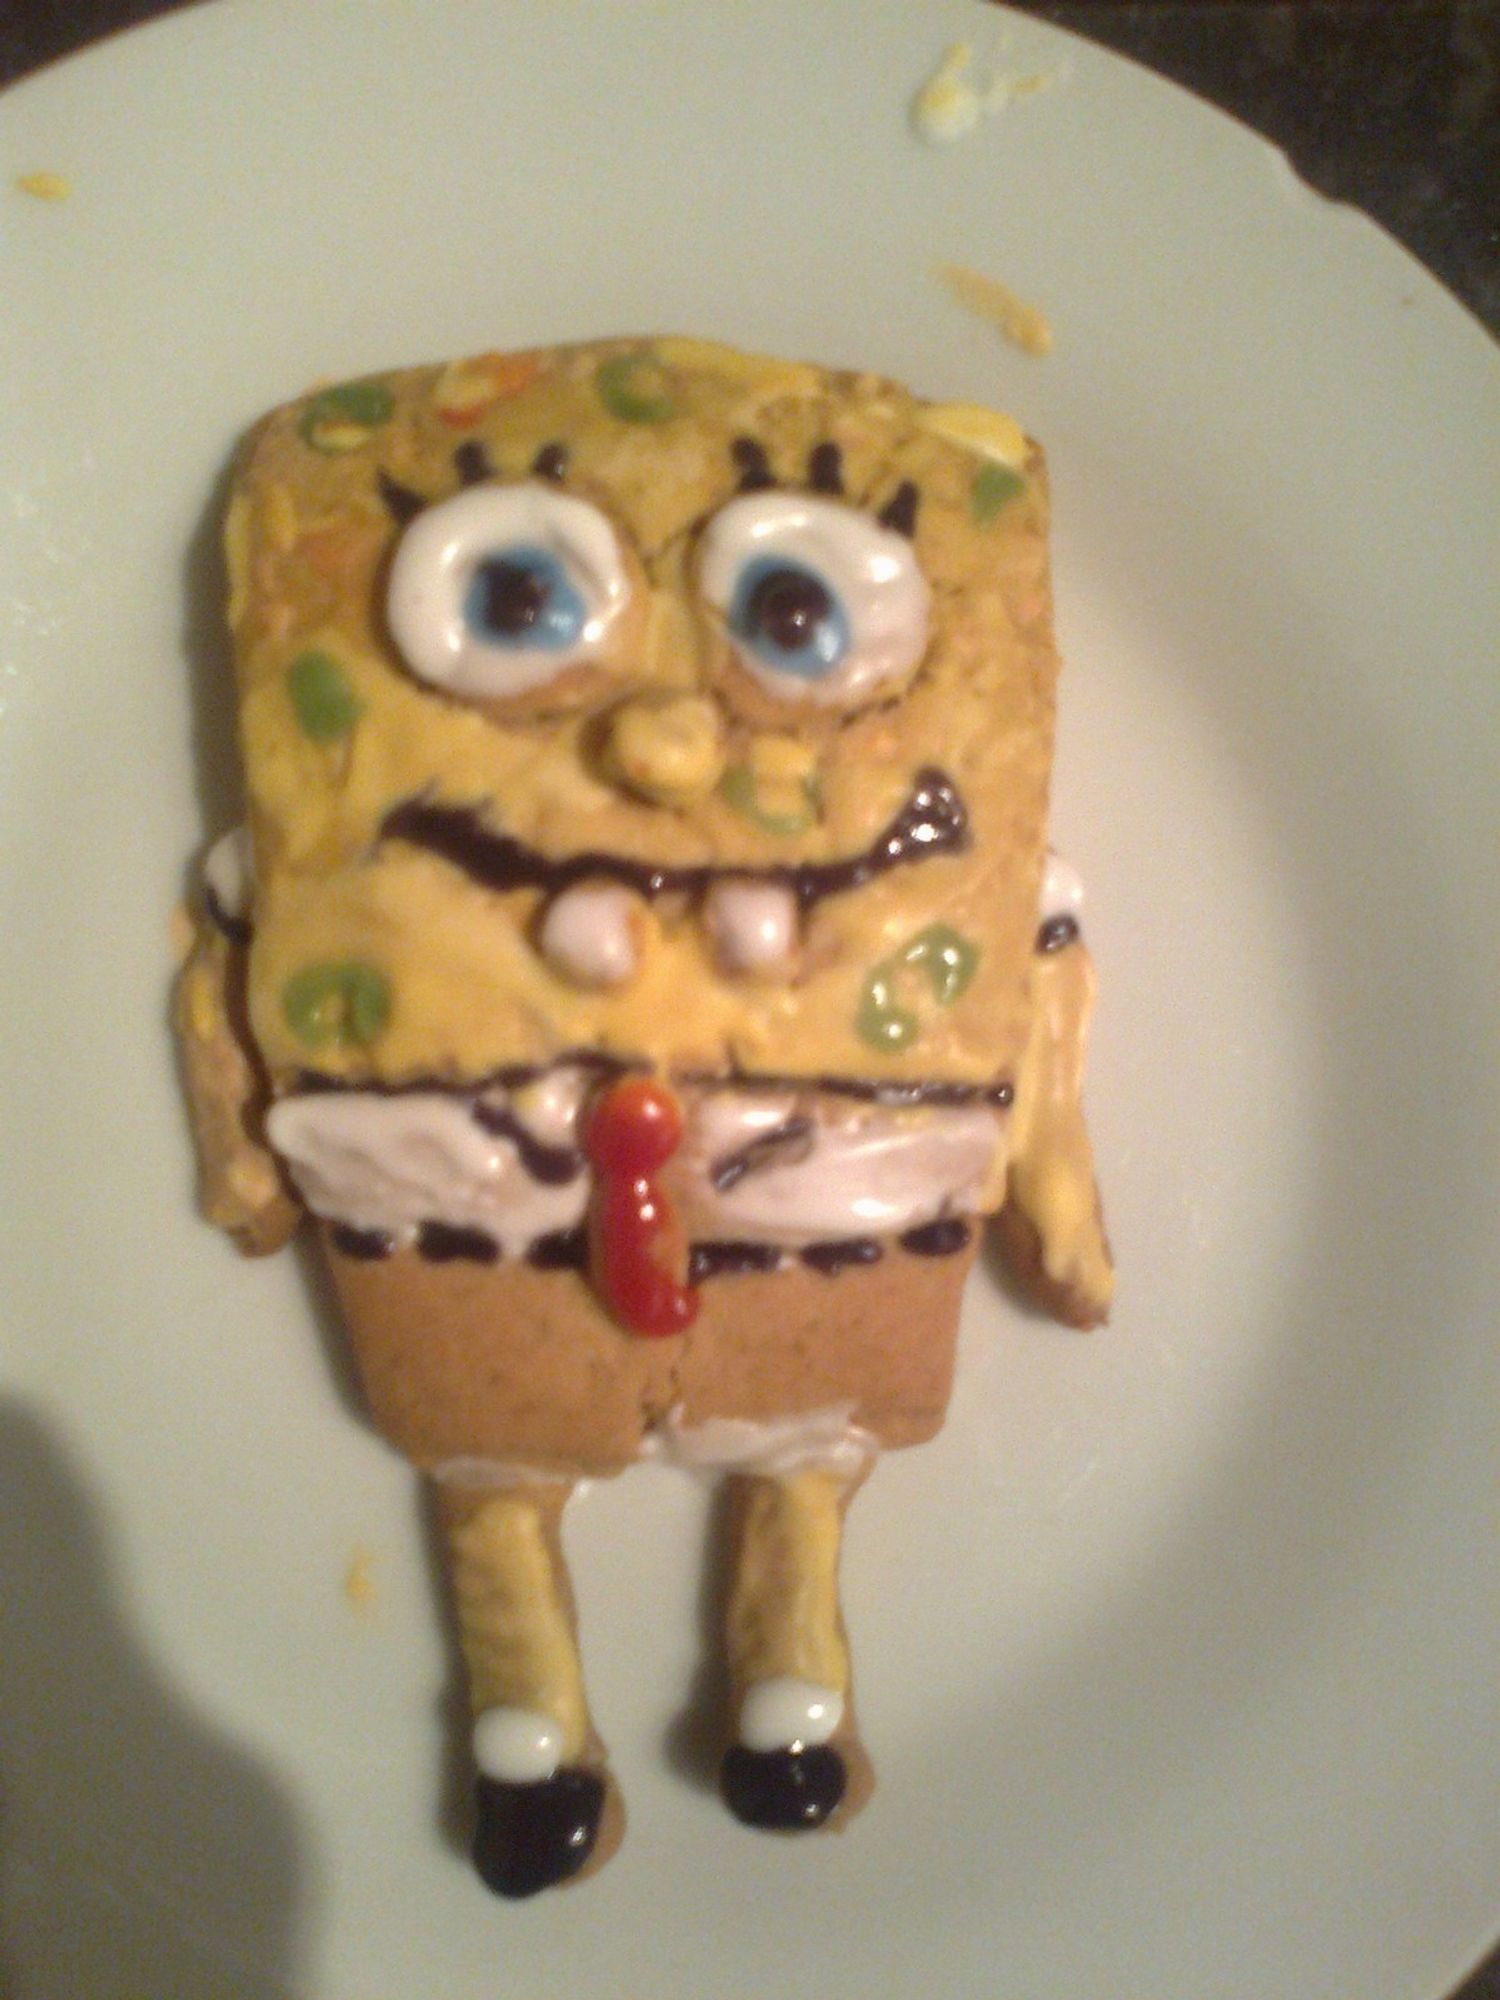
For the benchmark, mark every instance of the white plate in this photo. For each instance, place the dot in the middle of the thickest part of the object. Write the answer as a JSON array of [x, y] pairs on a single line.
[[1177, 1652]]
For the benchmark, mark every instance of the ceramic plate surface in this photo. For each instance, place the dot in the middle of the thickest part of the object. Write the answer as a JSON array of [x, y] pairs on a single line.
[[1177, 1651]]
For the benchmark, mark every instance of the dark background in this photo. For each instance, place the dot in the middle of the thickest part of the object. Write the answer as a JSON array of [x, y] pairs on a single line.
[[1393, 105]]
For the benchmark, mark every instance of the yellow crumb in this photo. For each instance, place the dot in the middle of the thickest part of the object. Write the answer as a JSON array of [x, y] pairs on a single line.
[[359, 1580], [45, 186], [950, 104], [1020, 323], [990, 433], [1027, 86]]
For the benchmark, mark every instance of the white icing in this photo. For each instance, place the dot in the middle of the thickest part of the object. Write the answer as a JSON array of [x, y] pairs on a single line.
[[787, 1714], [871, 570], [549, 1107], [435, 563], [947, 106], [516, 1745], [752, 926], [589, 934], [393, 1162], [229, 872], [824, 1439], [1062, 890], [868, 1172], [499, 1474]]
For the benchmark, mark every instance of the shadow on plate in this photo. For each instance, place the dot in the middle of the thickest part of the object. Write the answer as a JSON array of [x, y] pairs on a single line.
[[142, 1853]]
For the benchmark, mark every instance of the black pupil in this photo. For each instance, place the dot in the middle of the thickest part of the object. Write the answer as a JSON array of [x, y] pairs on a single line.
[[788, 606], [514, 596]]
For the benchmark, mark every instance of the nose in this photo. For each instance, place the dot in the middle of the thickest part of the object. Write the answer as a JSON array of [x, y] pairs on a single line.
[[668, 749]]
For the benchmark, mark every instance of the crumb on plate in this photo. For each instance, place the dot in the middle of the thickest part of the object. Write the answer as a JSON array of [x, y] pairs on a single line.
[[45, 186], [1025, 326], [359, 1580], [948, 106]]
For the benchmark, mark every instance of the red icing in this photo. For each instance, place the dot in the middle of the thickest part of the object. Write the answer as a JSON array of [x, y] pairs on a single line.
[[632, 1131]]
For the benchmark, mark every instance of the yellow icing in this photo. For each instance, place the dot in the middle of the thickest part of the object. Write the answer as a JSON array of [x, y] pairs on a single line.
[[763, 374], [783, 1612], [309, 539], [514, 1628], [990, 433], [669, 751]]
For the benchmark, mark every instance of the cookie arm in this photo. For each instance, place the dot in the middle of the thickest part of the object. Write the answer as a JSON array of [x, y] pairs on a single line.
[[1051, 1227], [239, 1182]]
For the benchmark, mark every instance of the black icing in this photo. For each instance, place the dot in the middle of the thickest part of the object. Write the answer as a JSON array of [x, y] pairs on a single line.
[[841, 1255], [943, 1238], [788, 1142], [785, 1791], [369, 1245], [236, 929], [730, 1259], [560, 1250], [933, 821], [451, 1243], [531, 1837], [825, 468], [1057, 933], [553, 1166]]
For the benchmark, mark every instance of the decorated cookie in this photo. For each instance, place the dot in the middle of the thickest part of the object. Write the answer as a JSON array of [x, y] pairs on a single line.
[[645, 964]]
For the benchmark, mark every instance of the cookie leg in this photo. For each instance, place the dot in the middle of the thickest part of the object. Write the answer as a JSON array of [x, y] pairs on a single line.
[[541, 1785], [790, 1767]]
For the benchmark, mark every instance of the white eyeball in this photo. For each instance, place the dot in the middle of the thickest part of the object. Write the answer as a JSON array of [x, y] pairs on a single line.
[[502, 588], [822, 603]]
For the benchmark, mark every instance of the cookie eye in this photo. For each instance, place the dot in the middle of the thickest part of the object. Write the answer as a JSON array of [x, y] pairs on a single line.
[[790, 618], [821, 602], [502, 588], [523, 598]]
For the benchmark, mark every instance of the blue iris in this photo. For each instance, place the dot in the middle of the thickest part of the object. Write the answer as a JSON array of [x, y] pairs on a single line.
[[789, 618], [523, 597]]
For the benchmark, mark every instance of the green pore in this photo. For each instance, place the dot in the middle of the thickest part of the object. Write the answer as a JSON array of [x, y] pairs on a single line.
[[326, 706], [739, 788], [634, 388], [994, 487], [939, 960], [339, 1005], [348, 407]]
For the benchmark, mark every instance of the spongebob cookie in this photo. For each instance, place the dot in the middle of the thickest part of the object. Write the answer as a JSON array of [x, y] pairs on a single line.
[[649, 972]]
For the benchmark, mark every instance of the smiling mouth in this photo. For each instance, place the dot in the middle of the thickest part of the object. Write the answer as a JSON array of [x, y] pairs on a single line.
[[933, 821]]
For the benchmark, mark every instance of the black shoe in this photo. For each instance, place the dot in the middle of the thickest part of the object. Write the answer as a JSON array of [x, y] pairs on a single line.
[[788, 1790], [530, 1837]]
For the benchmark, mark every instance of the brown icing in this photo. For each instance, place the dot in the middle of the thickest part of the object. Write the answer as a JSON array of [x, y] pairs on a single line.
[[788, 1143], [933, 821], [831, 1258]]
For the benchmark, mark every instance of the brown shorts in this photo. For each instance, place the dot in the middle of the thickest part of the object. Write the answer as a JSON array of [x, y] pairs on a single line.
[[509, 1363]]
